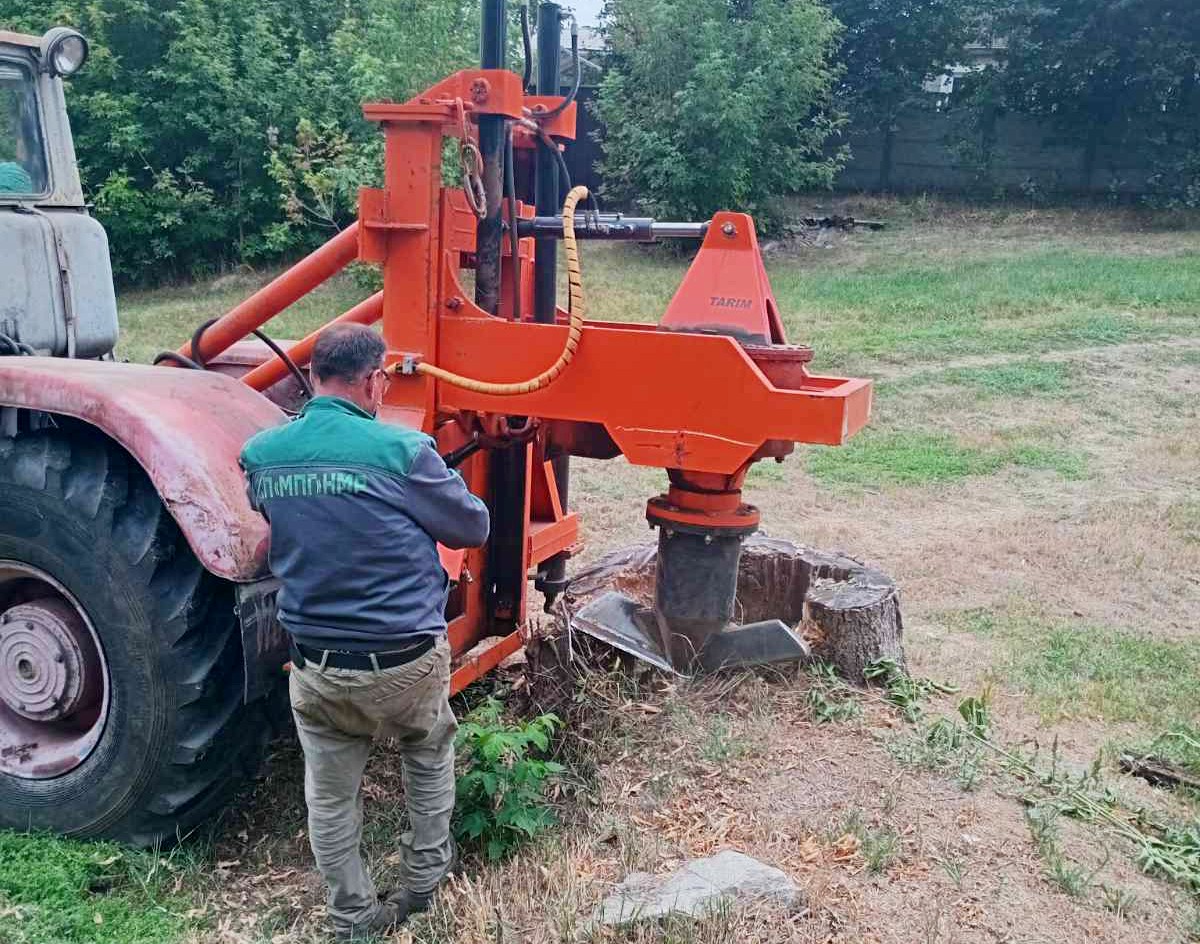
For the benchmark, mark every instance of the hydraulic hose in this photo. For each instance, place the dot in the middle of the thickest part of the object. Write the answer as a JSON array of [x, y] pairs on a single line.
[[527, 41], [547, 377]]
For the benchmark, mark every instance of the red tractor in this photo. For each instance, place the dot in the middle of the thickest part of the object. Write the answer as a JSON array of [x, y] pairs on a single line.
[[139, 653]]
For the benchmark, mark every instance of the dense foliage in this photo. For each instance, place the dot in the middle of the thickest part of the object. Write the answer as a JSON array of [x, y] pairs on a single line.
[[713, 104], [890, 47], [211, 132], [216, 132], [1107, 73]]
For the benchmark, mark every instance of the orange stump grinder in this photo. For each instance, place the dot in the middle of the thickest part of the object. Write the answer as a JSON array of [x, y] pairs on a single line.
[[120, 482]]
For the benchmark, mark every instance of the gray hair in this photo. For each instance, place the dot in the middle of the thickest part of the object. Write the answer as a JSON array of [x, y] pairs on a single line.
[[347, 353]]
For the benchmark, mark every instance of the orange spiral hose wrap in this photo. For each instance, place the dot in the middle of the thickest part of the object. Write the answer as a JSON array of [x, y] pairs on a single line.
[[578, 312]]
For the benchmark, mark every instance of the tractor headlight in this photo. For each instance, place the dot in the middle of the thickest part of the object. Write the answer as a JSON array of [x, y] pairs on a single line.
[[64, 51]]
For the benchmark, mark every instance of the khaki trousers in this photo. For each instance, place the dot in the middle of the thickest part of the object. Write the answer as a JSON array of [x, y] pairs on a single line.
[[338, 714]]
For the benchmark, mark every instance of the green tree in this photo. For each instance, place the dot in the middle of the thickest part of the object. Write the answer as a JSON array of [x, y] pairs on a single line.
[[205, 128], [889, 48], [1110, 72], [717, 104]]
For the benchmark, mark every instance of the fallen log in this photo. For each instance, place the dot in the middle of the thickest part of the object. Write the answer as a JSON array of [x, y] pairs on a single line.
[[1159, 772]]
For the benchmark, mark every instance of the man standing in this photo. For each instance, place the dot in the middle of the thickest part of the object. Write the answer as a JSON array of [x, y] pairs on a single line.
[[357, 508]]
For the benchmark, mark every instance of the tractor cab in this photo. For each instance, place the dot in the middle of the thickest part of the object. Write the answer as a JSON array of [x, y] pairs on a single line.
[[23, 173], [56, 288]]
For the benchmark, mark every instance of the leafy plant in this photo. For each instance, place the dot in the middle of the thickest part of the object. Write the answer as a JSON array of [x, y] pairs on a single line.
[[711, 105], [830, 700], [904, 691], [502, 796]]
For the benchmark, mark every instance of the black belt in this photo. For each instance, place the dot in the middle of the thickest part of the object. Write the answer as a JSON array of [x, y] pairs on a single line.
[[360, 661]]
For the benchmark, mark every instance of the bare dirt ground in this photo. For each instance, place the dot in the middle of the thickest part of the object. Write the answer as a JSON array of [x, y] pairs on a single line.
[[887, 845]]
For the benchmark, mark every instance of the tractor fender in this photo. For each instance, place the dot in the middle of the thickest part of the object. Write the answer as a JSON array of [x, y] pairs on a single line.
[[185, 428]]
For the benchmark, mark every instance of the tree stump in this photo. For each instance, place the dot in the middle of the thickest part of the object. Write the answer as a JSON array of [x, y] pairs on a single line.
[[848, 613]]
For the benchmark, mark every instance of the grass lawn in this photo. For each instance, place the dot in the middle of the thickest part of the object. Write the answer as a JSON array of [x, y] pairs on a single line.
[[1031, 479], [53, 890]]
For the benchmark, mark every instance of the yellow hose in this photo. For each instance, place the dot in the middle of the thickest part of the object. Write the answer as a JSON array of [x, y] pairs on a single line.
[[548, 377]]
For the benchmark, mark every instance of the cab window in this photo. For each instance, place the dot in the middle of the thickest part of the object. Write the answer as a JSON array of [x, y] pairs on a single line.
[[22, 156]]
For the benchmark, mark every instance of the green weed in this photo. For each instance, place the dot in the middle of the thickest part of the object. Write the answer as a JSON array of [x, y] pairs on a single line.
[[880, 848], [950, 746], [722, 743], [830, 700], [1059, 869], [955, 870], [1184, 519], [501, 799], [1119, 901], [56, 891]]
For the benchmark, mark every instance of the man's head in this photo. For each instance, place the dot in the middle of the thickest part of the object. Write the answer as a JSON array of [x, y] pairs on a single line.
[[347, 362]]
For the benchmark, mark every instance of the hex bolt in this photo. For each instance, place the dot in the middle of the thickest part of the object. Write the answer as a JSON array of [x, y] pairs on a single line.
[[729, 230], [708, 539]]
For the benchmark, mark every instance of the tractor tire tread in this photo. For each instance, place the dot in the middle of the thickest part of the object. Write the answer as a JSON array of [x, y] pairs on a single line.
[[216, 739]]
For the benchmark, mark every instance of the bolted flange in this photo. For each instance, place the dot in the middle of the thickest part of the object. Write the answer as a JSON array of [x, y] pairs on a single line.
[[49, 666]]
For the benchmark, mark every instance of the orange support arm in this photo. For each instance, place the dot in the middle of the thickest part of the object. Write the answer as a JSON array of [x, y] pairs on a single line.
[[283, 291], [270, 373]]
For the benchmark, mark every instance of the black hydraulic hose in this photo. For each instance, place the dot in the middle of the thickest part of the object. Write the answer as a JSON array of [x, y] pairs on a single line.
[[527, 39], [570, 99], [565, 174], [198, 363], [295, 371], [11, 347], [456, 458], [179, 360], [564, 171], [197, 337], [514, 237]]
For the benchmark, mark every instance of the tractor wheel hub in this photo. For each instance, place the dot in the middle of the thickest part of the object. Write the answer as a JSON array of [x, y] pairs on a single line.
[[49, 666]]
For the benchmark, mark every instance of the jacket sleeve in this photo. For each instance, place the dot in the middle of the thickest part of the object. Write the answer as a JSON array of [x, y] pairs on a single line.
[[251, 491], [440, 502]]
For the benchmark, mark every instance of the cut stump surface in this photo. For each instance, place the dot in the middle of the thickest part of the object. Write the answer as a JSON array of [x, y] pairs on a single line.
[[848, 612]]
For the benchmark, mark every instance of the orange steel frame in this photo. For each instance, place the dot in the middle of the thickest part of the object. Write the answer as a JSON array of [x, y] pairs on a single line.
[[677, 396]]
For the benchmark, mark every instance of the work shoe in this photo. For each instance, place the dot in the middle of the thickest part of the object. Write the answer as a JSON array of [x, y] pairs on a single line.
[[408, 903], [384, 921]]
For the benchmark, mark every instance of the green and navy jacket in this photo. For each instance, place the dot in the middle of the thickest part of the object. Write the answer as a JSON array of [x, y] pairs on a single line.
[[357, 508]]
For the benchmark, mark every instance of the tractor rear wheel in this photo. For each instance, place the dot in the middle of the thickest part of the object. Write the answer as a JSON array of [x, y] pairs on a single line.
[[121, 710]]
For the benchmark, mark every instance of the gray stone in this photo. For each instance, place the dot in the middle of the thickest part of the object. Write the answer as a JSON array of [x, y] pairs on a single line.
[[696, 889]]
